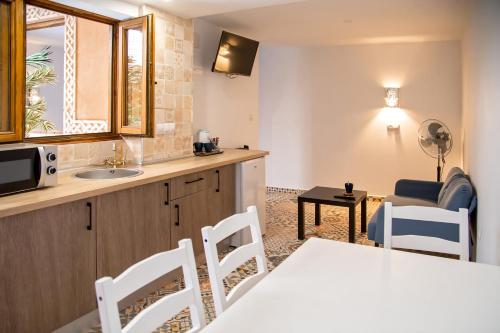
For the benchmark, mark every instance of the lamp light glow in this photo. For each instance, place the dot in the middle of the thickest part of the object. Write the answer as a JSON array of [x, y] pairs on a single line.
[[392, 113], [392, 117], [392, 97]]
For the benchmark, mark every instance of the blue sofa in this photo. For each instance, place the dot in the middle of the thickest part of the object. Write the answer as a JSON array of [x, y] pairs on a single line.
[[456, 192]]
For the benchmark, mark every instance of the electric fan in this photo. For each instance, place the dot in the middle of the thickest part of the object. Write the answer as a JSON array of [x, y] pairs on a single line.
[[435, 139]]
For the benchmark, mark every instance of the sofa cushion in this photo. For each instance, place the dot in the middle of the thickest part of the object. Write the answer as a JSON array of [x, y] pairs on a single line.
[[453, 174], [458, 194], [410, 227], [398, 200]]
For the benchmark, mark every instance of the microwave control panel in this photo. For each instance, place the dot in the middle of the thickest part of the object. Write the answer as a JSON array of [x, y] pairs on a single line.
[[48, 155]]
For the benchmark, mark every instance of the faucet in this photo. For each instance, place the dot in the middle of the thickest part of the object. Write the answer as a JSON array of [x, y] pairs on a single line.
[[115, 162]]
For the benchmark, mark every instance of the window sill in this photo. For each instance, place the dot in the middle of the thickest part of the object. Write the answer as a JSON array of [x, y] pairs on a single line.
[[74, 138]]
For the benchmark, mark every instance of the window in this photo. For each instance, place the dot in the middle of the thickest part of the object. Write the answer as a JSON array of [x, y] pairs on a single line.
[[69, 84], [11, 66], [83, 77], [135, 65]]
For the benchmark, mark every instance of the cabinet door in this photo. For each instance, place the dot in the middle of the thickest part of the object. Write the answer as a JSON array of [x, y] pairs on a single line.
[[48, 267], [133, 224], [222, 193], [189, 215]]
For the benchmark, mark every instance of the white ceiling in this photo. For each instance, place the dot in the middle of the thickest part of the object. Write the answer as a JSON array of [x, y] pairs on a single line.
[[323, 22], [313, 22], [197, 8]]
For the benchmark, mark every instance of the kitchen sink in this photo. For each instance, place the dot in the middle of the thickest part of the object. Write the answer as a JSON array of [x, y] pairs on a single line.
[[111, 173]]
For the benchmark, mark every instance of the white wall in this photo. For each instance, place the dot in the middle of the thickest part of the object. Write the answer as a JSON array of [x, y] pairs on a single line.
[[320, 112], [481, 50], [229, 108]]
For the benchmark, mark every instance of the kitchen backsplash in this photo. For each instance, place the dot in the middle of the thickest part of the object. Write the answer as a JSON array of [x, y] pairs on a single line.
[[83, 154], [173, 102]]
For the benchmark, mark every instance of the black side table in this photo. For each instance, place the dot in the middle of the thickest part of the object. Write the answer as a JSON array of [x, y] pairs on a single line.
[[326, 196]]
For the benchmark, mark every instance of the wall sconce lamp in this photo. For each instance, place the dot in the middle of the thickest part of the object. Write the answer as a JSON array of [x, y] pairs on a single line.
[[392, 112], [392, 97]]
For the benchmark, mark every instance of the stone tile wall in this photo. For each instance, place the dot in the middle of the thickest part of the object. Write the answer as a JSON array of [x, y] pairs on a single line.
[[173, 91], [83, 154]]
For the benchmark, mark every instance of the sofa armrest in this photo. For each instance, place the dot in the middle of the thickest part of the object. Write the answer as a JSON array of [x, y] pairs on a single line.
[[419, 189]]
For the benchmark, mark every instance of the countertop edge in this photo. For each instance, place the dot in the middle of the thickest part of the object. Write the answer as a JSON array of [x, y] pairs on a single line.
[[109, 188]]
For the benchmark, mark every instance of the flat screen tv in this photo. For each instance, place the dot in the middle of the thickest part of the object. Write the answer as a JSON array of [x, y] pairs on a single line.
[[235, 55]]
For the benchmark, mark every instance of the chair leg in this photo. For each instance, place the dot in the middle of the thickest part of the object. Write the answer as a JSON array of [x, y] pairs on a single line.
[[376, 244]]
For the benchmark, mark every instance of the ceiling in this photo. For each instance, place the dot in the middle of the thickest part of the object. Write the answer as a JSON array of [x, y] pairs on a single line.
[[314, 22], [197, 8], [330, 22]]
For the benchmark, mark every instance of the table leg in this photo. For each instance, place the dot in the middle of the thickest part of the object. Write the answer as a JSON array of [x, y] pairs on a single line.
[[363, 215], [300, 219], [352, 223], [317, 214]]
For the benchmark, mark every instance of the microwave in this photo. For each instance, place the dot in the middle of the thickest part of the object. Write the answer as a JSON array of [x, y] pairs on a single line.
[[25, 167]]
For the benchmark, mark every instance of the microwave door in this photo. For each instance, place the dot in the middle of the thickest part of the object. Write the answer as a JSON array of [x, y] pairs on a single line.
[[20, 170]]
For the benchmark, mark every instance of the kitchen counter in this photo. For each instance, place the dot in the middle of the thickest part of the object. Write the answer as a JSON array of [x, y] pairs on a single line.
[[71, 189]]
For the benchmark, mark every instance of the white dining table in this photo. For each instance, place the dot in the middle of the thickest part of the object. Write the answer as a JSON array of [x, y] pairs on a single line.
[[329, 286]]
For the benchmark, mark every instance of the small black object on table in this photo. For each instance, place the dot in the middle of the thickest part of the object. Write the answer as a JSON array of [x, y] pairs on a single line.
[[330, 196]]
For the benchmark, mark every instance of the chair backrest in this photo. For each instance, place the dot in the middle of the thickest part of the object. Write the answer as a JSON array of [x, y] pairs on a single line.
[[110, 291], [218, 270], [427, 243]]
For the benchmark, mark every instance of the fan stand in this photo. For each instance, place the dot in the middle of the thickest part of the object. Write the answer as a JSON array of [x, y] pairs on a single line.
[[439, 168]]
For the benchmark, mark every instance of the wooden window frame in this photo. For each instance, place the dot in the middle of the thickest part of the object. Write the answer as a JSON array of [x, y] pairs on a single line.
[[115, 132], [147, 118], [17, 73]]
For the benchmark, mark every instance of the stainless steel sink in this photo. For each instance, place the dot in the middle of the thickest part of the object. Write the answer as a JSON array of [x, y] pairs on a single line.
[[98, 174]]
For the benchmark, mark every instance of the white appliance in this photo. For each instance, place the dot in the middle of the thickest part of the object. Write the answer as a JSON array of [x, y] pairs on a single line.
[[250, 191], [203, 136], [25, 167]]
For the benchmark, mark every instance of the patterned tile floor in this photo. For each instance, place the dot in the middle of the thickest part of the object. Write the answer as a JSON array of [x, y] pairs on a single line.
[[280, 241]]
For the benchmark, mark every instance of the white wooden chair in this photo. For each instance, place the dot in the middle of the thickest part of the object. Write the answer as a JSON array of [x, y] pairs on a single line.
[[218, 270], [109, 291], [427, 243]]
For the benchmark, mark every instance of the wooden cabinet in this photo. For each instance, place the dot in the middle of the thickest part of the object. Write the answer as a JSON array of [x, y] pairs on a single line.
[[188, 215], [133, 224], [190, 184], [202, 199], [221, 193], [47, 262], [50, 258]]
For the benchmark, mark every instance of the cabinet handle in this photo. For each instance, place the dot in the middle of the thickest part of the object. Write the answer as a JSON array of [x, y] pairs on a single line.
[[89, 226], [218, 180], [168, 194], [178, 222], [193, 181]]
